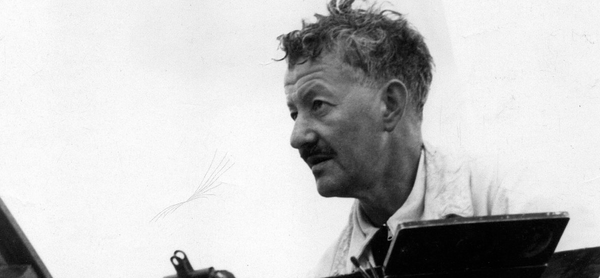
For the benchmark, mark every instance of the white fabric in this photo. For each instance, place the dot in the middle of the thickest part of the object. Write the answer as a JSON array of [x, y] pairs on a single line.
[[445, 185]]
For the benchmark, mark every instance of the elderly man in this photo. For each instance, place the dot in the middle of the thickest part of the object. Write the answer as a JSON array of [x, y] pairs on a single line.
[[356, 84]]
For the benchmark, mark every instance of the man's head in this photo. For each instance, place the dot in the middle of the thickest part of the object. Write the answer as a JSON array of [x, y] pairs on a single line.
[[356, 84], [380, 44]]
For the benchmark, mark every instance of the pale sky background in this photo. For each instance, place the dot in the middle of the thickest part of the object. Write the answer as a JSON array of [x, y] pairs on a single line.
[[111, 111]]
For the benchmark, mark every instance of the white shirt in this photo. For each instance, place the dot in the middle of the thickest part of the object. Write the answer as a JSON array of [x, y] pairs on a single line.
[[445, 185]]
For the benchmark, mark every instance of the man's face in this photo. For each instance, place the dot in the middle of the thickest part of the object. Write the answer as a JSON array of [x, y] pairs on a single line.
[[337, 125]]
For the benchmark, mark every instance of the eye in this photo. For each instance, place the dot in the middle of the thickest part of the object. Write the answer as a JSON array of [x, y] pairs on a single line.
[[317, 104], [294, 115]]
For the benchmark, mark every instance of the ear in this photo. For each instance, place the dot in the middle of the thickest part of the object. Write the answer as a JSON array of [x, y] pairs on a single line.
[[394, 97]]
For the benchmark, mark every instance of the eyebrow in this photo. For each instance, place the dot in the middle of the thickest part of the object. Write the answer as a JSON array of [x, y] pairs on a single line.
[[304, 75], [312, 88], [302, 97]]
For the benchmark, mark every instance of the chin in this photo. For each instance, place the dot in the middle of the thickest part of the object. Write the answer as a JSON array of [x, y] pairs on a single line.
[[331, 189], [327, 194]]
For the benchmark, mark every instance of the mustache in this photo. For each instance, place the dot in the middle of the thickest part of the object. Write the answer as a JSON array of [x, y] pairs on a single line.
[[314, 149]]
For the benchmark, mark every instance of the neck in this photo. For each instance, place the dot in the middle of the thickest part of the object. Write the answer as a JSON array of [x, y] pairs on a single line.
[[385, 198]]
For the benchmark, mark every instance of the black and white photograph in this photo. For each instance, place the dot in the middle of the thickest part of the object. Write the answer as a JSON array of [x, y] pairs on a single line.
[[313, 138]]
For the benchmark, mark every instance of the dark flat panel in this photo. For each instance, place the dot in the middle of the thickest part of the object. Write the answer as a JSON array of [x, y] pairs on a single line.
[[580, 263], [480, 246], [15, 249], [17, 271]]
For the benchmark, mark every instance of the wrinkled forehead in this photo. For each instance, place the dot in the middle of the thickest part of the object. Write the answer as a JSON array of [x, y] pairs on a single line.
[[328, 67], [298, 73]]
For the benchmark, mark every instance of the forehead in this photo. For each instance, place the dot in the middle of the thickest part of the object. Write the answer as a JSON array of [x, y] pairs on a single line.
[[327, 68]]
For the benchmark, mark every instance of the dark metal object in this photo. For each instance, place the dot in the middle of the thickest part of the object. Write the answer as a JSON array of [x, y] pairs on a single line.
[[580, 263], [185, 270], [372, 272], [502, 246], [492, 246], [17, 256]]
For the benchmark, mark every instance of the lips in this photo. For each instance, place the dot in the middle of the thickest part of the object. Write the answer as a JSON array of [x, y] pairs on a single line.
[[316, 159]]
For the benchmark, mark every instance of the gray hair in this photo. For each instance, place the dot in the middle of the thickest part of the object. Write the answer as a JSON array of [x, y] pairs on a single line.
[[382, 44]]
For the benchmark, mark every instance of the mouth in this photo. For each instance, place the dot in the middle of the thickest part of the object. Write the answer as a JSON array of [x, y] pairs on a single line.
[[317, 159], [314, 155]]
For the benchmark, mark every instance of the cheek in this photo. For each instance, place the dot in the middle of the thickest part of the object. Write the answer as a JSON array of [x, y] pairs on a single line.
[[355, 135], [358, 145], [365, 143], [361, 122]]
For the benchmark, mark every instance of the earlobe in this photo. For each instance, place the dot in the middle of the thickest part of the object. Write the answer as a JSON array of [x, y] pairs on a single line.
[[394, 98]]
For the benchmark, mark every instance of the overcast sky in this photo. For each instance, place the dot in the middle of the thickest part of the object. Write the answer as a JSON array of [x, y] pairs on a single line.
[[111, 111]]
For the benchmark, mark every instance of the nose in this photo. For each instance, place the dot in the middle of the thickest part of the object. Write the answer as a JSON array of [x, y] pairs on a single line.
[[303, 133]]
